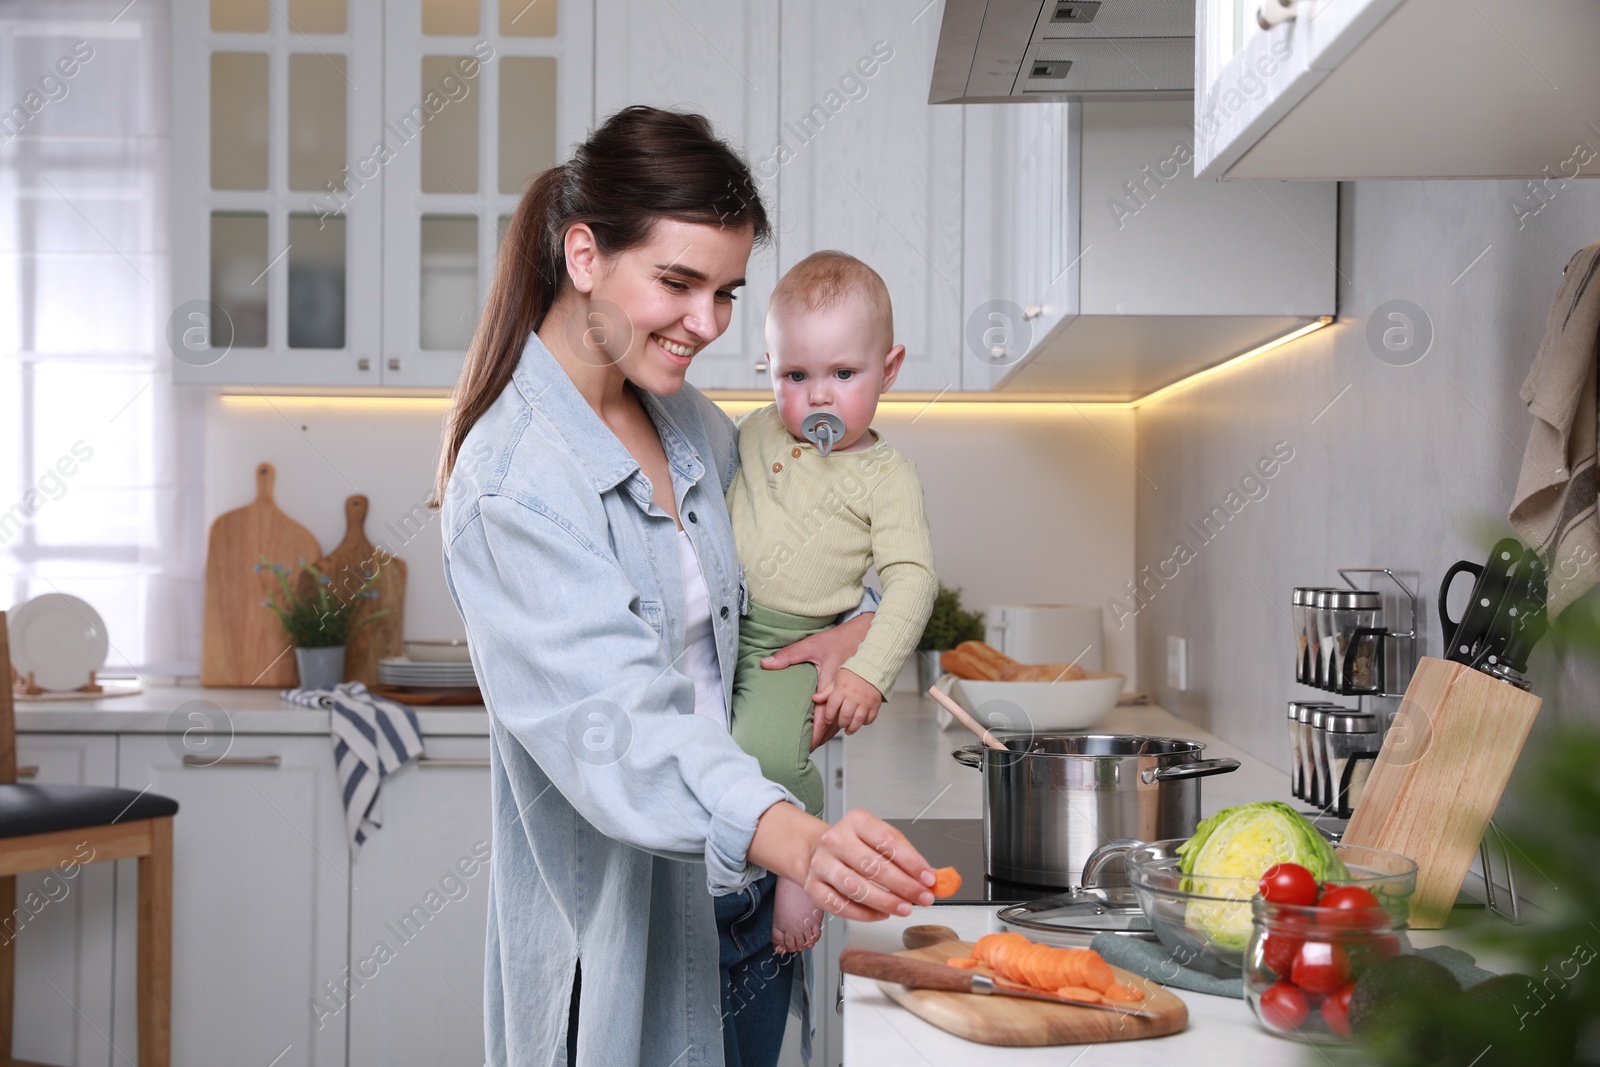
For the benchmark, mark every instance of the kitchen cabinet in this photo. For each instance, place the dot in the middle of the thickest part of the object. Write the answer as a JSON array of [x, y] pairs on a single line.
[[864, 165], [1103, 270], [342, 173], [418, 910], [63, 923], [1398, 89], [261, 892], [719, 58]]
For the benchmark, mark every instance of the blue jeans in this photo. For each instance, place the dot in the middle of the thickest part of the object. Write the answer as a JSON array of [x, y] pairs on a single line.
[[755, 979]]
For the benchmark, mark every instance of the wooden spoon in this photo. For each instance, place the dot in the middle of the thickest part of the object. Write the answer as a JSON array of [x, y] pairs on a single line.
[[964, 719]]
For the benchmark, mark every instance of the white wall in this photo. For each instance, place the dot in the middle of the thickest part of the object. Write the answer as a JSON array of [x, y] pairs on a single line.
[[1411, 467], [1029, 504]]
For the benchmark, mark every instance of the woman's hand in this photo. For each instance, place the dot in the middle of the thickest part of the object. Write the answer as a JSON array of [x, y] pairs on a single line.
[[858, 868], [827, 650]]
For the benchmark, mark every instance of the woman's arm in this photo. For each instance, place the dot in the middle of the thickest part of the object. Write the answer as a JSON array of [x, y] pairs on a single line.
[[581, 680], [858, 868]]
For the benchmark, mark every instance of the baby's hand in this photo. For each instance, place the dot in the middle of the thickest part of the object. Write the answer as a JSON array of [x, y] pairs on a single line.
[[851, 701]]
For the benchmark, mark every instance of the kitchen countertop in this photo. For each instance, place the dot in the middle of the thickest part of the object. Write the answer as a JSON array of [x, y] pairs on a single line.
[[167, 708], [1221, 1030]]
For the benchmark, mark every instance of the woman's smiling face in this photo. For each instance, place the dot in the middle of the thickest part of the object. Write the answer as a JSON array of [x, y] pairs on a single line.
[[653, 307]]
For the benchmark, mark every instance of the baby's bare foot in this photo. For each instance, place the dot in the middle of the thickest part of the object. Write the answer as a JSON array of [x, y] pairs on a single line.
[[796, 922]]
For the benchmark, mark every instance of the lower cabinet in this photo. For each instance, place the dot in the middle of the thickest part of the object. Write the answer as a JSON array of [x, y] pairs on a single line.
[[62, 924], [261, 896], [418, 908]]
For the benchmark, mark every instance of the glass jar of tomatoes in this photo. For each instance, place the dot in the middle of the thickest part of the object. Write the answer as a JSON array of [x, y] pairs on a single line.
[[1303, 961]]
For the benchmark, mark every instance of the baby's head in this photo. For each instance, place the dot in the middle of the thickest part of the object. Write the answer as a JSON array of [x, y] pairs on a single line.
[[830, 343]]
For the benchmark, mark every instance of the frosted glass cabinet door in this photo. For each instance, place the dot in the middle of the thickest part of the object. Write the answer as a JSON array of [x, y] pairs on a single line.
[[719, 58], [276, 192]]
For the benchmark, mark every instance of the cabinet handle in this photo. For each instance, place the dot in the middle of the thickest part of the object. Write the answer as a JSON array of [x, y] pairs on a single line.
[[30, 771], [1031, 312], [424, 761], [761, 367], [234, 761], [363, 363], [394, 364], [1272, 12]]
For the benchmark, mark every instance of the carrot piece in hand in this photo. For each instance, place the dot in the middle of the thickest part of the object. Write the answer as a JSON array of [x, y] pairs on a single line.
[[945, 882]]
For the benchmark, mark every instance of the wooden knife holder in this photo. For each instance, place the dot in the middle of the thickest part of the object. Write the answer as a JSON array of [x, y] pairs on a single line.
[[1438, 778]]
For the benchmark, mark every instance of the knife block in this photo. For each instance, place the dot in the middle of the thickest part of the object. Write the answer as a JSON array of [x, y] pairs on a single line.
[[1439, 775]]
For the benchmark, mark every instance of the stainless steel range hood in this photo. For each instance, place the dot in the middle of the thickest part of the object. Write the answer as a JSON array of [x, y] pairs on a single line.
[[998, 51]]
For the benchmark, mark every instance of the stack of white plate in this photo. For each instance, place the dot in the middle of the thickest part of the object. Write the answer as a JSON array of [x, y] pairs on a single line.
[[413, 674]]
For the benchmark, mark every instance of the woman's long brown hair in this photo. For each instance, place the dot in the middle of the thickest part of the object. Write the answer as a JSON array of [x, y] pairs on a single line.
[[641, 165]]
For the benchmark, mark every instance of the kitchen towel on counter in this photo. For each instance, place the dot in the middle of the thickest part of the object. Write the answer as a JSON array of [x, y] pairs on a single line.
[[1157, 962], [1554, 506], [372, 738]]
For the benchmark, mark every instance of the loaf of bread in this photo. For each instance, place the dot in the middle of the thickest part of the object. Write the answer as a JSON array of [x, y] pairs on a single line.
[[976, 661], [980, 662], [1043, 672]]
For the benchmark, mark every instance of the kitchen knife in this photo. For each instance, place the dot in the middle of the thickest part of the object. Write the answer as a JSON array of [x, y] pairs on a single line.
[[924, 974], [1519, 623], [1468, 635]]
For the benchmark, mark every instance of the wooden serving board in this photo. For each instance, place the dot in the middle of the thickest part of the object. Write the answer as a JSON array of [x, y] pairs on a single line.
[[243, 642], [1439, 775], [1017, 1022], [349, 565]]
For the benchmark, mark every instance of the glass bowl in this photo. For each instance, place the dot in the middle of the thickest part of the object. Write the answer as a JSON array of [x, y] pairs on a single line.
[[1207, 923], [1303, 962]]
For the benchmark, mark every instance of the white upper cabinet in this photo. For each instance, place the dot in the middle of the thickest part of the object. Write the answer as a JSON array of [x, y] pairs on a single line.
[[718, 58], [342, 172], [1113, 271], [1345, 89], [865, 166]]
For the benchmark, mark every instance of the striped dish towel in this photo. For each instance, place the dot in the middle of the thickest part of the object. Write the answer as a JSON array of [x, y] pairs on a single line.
[[372, 738]]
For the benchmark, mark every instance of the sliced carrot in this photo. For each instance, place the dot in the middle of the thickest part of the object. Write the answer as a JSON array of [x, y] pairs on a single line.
[[1078, 992], [946, 880], [1124, 991]]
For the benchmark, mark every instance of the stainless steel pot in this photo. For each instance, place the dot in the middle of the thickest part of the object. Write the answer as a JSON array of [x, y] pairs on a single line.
[[1049, 800]]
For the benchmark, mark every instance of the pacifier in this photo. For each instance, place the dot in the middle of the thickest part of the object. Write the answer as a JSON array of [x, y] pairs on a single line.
[[823, 428]]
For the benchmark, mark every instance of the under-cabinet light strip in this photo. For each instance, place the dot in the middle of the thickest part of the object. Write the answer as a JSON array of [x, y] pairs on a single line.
[[739, 401]]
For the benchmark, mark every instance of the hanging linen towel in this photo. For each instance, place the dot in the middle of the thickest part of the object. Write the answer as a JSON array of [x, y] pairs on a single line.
[[1554, 506], [372, 738]]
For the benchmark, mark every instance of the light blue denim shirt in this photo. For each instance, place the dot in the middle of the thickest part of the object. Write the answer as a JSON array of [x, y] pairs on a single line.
[[617, 811]]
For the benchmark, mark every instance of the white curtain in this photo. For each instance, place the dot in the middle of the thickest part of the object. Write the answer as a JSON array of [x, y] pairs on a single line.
[[100, 455]]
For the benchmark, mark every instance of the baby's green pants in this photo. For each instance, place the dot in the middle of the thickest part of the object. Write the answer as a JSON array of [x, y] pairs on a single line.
[[772, 710]]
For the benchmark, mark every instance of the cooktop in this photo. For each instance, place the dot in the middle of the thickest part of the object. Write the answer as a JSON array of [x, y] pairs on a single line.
[[958, 843]]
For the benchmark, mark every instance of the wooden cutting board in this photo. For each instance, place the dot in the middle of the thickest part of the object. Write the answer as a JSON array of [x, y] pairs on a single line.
[[1016, 1022], [1438, 778], [243, 642], [349, 565]]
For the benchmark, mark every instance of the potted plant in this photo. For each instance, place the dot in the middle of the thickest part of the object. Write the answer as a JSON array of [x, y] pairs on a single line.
[[948, 626], [317, 621]]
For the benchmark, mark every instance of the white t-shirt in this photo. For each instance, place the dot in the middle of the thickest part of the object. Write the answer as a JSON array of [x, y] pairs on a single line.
[[699, 660]]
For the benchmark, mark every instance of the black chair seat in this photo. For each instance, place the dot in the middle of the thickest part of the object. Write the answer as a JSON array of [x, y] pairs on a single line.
[[43, 809]]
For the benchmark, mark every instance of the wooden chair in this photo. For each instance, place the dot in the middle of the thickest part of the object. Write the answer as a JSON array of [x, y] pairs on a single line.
[[44, 827]]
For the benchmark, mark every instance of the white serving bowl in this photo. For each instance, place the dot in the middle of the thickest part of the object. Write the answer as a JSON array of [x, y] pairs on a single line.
[[438, 650], [1063, 705]]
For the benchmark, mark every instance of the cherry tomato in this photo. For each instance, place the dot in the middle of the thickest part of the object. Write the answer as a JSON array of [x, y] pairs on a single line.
[[1349, 907], [1278, 952], [1288, 883], [1321, 967], [1283, 1007], [1336, 1009]]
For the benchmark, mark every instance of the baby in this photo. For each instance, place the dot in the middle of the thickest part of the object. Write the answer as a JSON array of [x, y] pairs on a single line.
[[809, 521]]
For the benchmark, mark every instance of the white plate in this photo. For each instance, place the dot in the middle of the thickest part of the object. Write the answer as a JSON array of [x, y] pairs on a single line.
[[59, 638]]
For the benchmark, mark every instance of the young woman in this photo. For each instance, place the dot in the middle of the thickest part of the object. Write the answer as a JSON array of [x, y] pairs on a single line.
[[588, 548]]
